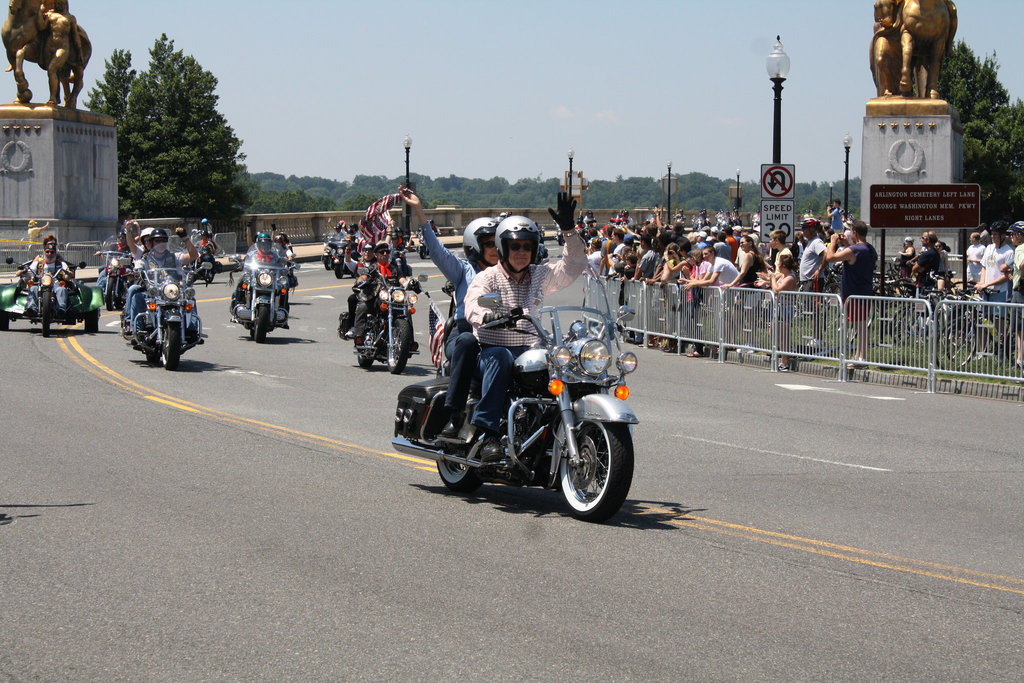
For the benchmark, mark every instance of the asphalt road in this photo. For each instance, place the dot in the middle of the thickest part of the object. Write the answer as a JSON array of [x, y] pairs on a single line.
[[244, 518]]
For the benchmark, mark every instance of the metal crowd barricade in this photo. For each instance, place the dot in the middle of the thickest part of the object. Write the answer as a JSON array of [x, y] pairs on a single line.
[[891, 333], [979, 339], [76, 252], [810, 325], [700, 317], [632, 294], [748, 320], [18, 251]]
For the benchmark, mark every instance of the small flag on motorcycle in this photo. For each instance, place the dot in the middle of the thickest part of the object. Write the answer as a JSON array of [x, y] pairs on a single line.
[[436, 333]]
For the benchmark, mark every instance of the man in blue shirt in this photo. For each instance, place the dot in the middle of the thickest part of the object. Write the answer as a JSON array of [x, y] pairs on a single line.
[[836, 214], [462, 347]]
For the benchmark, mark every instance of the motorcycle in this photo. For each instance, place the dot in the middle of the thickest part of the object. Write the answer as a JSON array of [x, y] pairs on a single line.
[[83, 301], [338, 255], [117, 268], [206, 255], [267, 280], [389, 336], [169, 324], [568, 423]]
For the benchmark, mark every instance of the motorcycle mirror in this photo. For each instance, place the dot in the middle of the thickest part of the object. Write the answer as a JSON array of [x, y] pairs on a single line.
[[490, 301], [9, 260], [296, 266], [422, 277], [205, 265], [82, 264], [626, 313]]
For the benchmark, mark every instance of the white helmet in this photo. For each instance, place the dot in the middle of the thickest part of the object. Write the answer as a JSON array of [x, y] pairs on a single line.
[[145, 232], [477, 228], [516, 228]]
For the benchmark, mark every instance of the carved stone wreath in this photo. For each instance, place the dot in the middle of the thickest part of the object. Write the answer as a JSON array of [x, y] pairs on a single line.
[[916, 166], [7, 156]]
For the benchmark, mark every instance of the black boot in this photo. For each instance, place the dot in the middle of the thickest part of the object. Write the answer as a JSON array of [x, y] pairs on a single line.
[[454, 426]]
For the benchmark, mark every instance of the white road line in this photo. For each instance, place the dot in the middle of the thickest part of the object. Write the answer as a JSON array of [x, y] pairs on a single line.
[[784, 455], [804, 387]]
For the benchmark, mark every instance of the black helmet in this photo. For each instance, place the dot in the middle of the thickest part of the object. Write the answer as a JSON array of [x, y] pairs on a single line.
[[158, 234], [516, 228], [999, 226], [480, 227]]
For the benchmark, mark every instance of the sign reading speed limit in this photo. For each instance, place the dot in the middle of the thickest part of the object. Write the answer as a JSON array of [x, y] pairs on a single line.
[[777, 214]]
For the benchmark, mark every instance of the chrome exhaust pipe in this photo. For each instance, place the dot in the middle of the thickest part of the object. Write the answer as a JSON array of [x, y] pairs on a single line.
[[243, 313], [406, 447]]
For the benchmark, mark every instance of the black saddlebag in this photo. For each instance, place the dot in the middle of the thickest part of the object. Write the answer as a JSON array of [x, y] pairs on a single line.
[[419, 403]]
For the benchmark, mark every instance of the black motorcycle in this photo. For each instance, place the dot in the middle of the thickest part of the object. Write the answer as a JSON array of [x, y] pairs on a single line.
[[339, 255], [389, 335]]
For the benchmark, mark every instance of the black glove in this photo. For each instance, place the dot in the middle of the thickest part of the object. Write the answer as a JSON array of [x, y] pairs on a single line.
[[491, 316], [566, 209], [179, 231], [414, 286]]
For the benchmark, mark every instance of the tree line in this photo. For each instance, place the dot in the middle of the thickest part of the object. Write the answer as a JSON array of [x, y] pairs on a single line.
[[178, 156]]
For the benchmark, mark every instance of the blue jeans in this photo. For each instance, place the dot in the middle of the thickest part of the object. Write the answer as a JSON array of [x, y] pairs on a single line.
[[134, 303], [496, 371], [60, 295], [462, 350]]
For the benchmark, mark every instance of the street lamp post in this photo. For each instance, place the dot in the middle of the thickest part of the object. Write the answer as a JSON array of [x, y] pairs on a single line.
[[738, 193], [407, 143], [668, 190], [830, 186], [571, 155], [778, 69], [847, 142]]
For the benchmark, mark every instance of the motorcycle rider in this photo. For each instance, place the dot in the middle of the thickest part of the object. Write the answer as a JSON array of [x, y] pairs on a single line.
[[522, 284], [49, 262], [461, 347], [159, 256], [122, 246], [264, 254], [377, 264]]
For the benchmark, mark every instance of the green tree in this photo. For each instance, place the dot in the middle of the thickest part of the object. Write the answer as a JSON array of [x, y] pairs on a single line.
[[359, 202], [993, 130], [180, 157], [110, 97]]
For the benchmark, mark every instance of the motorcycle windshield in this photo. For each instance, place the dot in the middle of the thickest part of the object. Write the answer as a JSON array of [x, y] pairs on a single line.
[[267, 257], [165, 270]]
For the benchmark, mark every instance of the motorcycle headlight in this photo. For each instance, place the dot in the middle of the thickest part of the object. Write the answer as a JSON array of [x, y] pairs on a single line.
[[265, 279], [171, 291], [282, 281], [627, 362], [398, 296], [561, 356], [46, 280], [413, 299], [594, 357], [115, 263], [383, 294]]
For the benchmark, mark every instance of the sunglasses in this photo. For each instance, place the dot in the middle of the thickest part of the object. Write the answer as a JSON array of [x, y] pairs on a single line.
[[380, 251], [517, 246], [49, 251], [486, 244]]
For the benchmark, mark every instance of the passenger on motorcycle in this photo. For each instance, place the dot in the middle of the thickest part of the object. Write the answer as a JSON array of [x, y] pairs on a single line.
[[159, 256], [523, 285], [49, 262], [461, 347]]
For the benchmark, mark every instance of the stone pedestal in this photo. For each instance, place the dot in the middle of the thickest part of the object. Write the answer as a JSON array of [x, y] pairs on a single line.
[[57, 165], [909, 141]]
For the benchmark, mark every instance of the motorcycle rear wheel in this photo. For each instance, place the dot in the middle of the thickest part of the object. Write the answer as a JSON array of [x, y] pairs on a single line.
[[596, 487], [398, 351], [172, 346], [108, 295], [458, 478], [339, 270], [46, 305], [262, 324], [5, 321]]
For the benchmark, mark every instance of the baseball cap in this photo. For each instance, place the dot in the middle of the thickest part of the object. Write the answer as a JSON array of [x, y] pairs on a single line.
[[628, 239]]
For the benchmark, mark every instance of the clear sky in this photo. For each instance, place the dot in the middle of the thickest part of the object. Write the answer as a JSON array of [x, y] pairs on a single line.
[[505, 88]]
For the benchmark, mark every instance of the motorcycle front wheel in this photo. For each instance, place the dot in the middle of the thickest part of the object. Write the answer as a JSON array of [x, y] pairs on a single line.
[[339, 270], [172, 346], [596, 486], [262, 323], [458, 478], [46, 311], [108, 295], [398, 350]]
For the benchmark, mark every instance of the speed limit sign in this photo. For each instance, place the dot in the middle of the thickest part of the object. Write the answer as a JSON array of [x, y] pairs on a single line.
[[777, 214]]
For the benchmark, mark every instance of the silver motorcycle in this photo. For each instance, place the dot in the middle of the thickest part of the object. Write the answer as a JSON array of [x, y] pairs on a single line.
[[568, 425]]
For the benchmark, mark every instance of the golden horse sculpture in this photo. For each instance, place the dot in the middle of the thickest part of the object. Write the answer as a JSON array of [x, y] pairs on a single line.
[[911, 39], [44, 32]]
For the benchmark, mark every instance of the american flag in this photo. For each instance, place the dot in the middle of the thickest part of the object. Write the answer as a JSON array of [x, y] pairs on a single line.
[[374, 225], [436, 323]]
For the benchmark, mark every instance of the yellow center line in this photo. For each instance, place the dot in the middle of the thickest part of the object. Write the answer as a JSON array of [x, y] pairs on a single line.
[[998, 582]]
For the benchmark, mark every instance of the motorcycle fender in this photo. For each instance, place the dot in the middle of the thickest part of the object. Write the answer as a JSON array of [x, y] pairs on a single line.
[[263, 299], [8, 296], [172, 318], [91, 297], [603, 408]]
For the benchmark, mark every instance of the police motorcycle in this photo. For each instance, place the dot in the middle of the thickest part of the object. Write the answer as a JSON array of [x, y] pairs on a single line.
[[261, 301], [340, 254], [168, 325], [83, 302], [118, 265], [568, 425]]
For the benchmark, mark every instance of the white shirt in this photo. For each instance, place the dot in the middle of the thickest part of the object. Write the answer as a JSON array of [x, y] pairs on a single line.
[[991, 262]]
